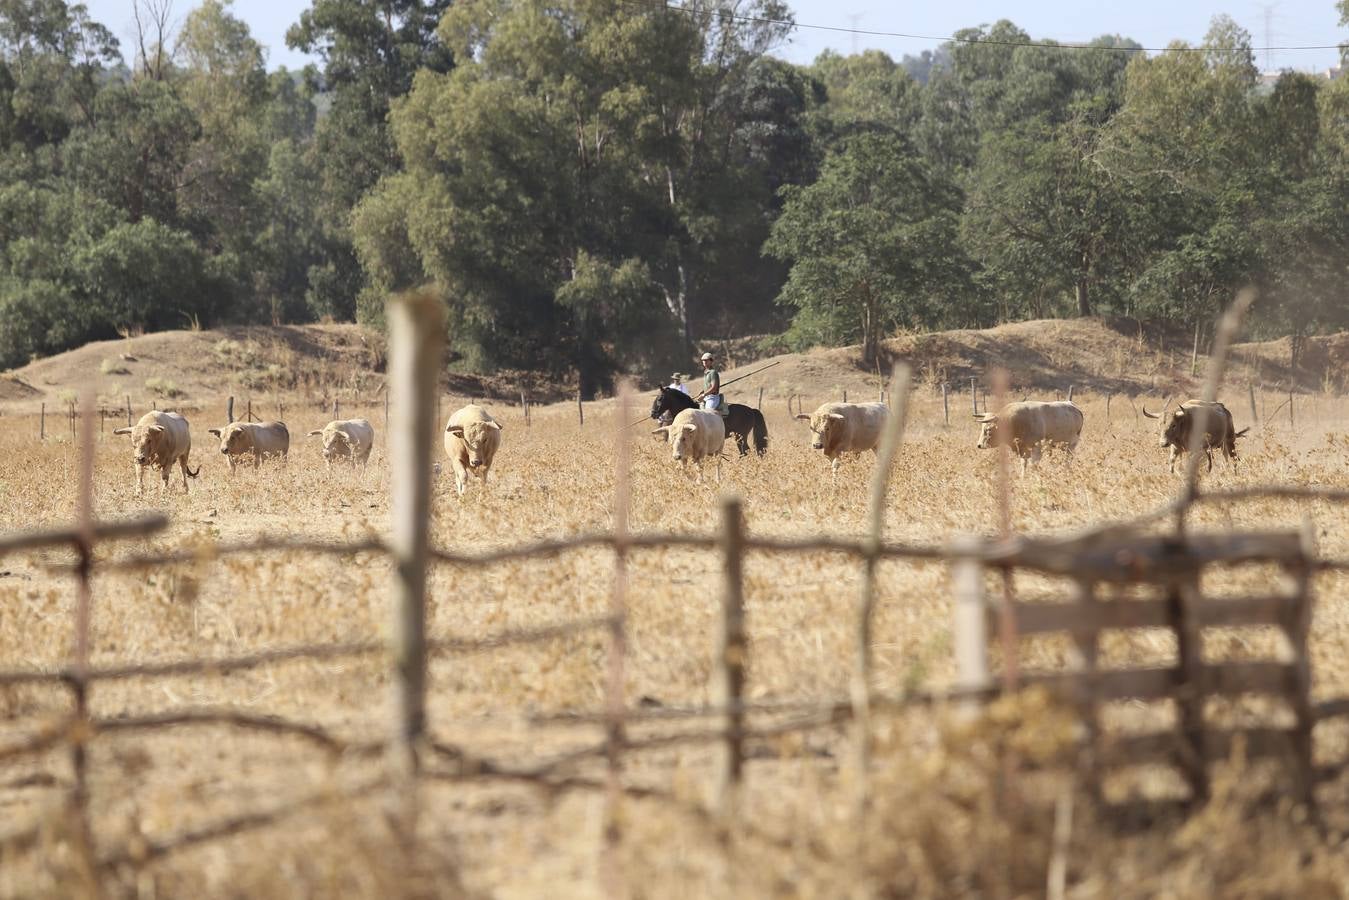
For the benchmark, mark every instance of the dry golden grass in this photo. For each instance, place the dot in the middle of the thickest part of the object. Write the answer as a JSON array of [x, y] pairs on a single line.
[[946, 820]]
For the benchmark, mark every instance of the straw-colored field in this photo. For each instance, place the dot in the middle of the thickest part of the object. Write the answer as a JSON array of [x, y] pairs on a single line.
[[944, 821]]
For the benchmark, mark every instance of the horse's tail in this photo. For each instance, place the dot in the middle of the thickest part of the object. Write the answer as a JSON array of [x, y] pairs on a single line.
[[760, 429]]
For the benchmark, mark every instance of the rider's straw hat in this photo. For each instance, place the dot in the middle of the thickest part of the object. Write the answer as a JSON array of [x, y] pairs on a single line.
[[706, 356]]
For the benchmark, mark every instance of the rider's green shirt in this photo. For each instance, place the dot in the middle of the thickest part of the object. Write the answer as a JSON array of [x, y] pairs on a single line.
[[711, 377]]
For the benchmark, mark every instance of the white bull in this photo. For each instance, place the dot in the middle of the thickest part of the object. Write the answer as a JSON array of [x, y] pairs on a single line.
[[838, 428], [159, 440], [255, 439], [694, 436], [1029, 426], [350, 438], [472, 438]]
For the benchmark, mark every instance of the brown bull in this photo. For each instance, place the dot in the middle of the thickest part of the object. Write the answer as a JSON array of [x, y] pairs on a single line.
[[1177, 427]]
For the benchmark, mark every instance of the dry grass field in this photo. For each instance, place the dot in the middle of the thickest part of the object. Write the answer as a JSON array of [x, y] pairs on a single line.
[[946, 819]]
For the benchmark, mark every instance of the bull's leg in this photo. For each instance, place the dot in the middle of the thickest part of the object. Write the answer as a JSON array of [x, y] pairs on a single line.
[[1173, 454], [742, 444], [257, 459], [229, 459], [140, 479], [164, 476], [182, 470]]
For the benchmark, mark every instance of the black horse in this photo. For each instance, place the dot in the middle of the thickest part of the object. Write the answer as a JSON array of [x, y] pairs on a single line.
[[741, 420]]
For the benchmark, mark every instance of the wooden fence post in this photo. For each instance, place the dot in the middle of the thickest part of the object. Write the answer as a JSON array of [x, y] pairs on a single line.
[[758, 404], [85, 851], [728, 678], [580, 410], [386, 412], [1255, 418], [416, 330], [864, 611], [335, 408], [969, 627], [1290, 410], [1070, 392], [524, 406], [1183, 606], [615, 704], [1295, 622], [229, 411], [1107, 407], [974, 395], [845, 395], [946, 403], [42, 424], [128, 410], [71, 413], [248, 415]]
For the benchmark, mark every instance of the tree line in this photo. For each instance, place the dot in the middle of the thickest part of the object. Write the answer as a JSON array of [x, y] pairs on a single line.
[[594, 185]]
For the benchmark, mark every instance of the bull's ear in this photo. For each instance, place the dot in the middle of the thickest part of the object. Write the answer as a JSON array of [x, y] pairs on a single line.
[[689, 426], [803, 417], [121, 431], [838, 416], [310, 434], [214, 431], [496, 425], [157, 429]]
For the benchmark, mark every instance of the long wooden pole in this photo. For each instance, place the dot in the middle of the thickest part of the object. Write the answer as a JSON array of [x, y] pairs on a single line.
[[729, 676], [417, 332]]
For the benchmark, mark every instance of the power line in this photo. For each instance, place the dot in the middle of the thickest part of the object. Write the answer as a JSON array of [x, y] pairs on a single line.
[[864, 32]]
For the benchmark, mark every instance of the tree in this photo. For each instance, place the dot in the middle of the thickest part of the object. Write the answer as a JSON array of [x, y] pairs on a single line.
[[871, 244], [371, 52]]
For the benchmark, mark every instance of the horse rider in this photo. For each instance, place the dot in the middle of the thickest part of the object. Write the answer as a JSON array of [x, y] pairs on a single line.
[[710, 395], [677, 383]]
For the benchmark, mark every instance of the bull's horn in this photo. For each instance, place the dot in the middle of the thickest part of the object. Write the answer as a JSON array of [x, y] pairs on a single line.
[[121, 431], [216, 431], [496, 425], [803, 417], [1151, 415], [664, 429], [455, 429], [313, 434], [838, 416]]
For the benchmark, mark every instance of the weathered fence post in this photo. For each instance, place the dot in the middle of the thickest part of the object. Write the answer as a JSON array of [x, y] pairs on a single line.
[[1250, 390], [1290, 410], [386, 412], [128, 410], [86, 854], [524, 406], [1183, 607], [42, 424], [416, 328], [1295, 623], [580, 410], [335, 408], [1070, 392], [864, 612], [615, 704], [758, 404], [845, 395], [969, 625], [248, 415], [974, 395], [71, 413], [728, 678], [946, 403], [229, 410]]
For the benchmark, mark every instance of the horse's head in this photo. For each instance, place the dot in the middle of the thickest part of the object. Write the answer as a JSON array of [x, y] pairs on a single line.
[[669, 400]]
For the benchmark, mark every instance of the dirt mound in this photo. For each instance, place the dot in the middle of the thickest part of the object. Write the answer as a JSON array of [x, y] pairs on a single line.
[[174, 369], [1045, 357]]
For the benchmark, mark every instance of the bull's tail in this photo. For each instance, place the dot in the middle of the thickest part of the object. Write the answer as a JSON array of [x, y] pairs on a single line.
[[760, 432]]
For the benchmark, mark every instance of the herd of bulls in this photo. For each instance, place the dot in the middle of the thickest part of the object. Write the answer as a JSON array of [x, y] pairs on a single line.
[[1028, 428], [161, 439], [472, 436]]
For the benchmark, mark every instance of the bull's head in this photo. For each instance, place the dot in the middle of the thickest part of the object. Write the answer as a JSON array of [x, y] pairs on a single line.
[[145, 442], [335, 443], [678, 436], [233, 438], [988, 432], [824, 429], [475, 436], [1174, 425]]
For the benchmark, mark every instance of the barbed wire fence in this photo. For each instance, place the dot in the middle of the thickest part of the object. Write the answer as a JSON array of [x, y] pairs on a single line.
[[413, 757]]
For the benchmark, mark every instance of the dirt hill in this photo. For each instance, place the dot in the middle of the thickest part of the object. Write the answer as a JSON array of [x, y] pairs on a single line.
[[1047, 356], [318, 362]]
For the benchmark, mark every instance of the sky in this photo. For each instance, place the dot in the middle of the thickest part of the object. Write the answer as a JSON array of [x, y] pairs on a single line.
[[1153, 23]]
